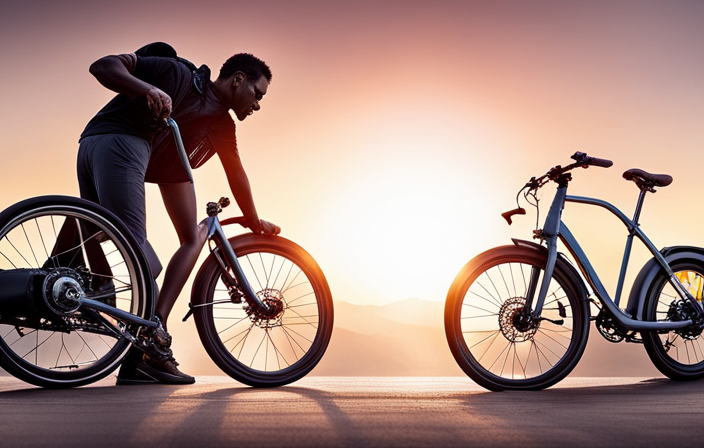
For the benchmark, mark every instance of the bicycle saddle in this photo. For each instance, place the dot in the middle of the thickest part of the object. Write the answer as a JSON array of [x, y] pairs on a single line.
[[647, 180]]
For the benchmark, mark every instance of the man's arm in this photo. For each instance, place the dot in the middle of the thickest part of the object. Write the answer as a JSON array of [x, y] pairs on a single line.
[[239, 185], [115, 73]]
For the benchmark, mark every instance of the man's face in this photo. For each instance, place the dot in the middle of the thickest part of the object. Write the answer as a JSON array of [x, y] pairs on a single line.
[[246, 95]]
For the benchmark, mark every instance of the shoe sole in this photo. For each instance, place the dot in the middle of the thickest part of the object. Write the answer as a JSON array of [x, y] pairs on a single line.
[[147, 378], [163, 377]]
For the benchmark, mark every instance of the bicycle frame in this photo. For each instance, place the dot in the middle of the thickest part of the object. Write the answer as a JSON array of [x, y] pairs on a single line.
[[555, 228]]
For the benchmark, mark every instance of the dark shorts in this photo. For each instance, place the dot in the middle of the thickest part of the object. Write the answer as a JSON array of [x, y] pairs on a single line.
[[111, 169]]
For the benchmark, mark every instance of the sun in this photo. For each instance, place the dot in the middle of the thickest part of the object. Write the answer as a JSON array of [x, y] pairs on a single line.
[[400, 236]]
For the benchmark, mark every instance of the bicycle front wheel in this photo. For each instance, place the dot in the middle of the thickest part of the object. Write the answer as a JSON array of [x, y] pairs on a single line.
[[486, 336], [272, 350], [74, 247], [677, 354]]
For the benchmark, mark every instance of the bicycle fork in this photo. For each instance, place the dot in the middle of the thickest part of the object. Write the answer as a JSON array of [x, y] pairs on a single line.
[[226, 258], [533, 309]]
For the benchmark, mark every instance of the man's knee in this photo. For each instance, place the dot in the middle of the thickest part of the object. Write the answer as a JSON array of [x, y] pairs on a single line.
[[197, 237], [202, 233]]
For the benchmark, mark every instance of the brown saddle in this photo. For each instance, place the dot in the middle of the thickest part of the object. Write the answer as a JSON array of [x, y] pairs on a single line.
[[647, 181]]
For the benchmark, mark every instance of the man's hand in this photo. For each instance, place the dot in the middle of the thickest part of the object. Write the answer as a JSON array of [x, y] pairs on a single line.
[[115, 73], [159, 102], [261, 227]]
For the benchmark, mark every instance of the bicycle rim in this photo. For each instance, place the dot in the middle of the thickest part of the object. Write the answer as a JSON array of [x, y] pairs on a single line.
[[489, 343], [73, 348], [275, 350]]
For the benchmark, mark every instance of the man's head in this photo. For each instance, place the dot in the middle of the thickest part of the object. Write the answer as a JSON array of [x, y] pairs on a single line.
[[243, 81]]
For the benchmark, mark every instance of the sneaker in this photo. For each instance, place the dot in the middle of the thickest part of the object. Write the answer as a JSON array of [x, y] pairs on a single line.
[[129, 374], [148, 371], [165, 371]]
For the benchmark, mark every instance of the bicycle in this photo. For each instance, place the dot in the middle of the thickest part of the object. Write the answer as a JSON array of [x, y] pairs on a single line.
[[70, 313], [517, 316]]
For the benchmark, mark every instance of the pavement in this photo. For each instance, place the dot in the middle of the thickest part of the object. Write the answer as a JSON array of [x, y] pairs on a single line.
[[354, 412]]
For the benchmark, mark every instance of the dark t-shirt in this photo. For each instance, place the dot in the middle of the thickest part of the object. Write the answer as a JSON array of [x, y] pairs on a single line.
[[205, 123]]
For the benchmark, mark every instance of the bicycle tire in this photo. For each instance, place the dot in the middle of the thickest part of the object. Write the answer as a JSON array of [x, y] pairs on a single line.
[[272, 265], [677, 354], [80, 351], [482, 333]]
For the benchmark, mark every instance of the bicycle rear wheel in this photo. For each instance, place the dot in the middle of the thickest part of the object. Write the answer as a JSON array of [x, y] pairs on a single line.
[[485, 336], [265, 351], [68, 243], [677, 354]]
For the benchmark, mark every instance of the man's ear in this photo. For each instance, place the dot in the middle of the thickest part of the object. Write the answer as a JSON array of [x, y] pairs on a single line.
[[238, 79]]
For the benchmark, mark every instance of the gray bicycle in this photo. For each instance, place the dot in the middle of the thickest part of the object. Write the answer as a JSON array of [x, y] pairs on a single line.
[[517, 316], [76, 294]]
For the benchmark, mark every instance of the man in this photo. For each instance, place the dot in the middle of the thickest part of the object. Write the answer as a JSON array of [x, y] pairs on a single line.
[[126, 144]]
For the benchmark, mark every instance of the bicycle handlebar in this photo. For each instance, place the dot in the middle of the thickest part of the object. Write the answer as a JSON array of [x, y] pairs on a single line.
[[584, 160], [180, 149], [557, 174]]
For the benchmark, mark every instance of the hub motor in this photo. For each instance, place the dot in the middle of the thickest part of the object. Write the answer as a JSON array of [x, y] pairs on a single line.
[[63, 291]]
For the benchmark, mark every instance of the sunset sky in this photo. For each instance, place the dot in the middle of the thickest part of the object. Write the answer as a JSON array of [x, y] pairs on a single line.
[[394, 132]]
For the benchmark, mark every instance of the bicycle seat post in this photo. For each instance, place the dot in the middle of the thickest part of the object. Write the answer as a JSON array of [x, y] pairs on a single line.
[[639, 207]]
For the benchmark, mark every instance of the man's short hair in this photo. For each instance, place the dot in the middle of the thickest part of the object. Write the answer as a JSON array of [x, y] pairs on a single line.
[[248, 64]]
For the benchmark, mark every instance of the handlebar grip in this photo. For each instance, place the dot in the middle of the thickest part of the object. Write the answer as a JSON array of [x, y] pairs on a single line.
[[516, 211], [595, 161], [584, 160]]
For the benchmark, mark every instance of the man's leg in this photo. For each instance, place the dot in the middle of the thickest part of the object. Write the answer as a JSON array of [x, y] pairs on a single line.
[[111, 171], [180, 202], [115, 166]]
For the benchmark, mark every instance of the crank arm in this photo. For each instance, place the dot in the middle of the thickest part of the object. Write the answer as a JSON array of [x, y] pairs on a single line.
[[117, 313]]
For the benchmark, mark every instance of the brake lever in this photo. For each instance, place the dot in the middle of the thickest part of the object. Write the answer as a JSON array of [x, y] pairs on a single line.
[[516, 211]]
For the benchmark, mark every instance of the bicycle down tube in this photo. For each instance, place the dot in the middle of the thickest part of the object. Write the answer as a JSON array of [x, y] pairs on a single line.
[[554, 227]]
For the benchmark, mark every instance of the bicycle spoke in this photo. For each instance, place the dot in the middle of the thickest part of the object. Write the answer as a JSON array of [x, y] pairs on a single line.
[[490, 302], [306, 320], [254, 271], [298, 298], [257, 351]]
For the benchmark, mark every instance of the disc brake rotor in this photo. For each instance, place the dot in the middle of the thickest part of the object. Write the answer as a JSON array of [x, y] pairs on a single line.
[[275, 307], [513, 324]]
